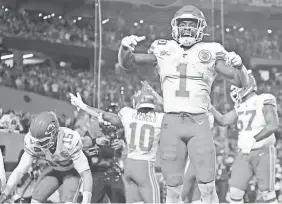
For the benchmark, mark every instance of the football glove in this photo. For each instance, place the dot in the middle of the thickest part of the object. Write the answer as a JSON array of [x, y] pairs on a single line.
[[77, 101], [131, 41], [246, 144], [232, 59]]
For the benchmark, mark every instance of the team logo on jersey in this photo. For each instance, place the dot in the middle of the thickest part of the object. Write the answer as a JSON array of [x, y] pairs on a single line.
[[64, 154], [205, 55], [164, 52]]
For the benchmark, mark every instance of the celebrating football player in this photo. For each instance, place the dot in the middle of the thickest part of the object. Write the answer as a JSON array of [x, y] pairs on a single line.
[[187, 68], [142, 127], [61, 148], [257, 120]]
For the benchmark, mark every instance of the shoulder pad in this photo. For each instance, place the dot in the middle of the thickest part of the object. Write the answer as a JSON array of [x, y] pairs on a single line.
[[70, 138], [216, 49], [268, 99], [30, 147], [161, 47], [124, 112]]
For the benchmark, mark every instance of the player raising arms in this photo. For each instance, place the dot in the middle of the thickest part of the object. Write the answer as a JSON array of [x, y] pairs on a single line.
[[142, 128], [61, 148], [257, 120], [187, 68]]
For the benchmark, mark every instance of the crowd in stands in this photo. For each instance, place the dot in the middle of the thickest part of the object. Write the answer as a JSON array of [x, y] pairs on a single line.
[[58, 83]]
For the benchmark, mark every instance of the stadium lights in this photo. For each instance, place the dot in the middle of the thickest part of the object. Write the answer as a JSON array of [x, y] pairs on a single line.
[[7, 56], [45, 17], [60, 17], [52, 14], [105, 21], [135, 24], [74, 21], [6, 9], [4, 57], [40, 14], [79, 18], [227, 30], [141, 21], [269, 31], [3, 6], [27, 56], [234, 27], [241, 29]]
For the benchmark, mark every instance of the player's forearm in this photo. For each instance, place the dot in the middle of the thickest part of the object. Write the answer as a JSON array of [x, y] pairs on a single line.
[[91, 110], [14, 179], [218, 117], [266, 132], [125, 57], [87, 186], [243, 76]]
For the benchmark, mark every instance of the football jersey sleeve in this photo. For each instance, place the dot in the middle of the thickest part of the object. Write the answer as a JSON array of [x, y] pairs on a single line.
[[269, 99], [124, 112], [29, 146], [156, 47], [76, 147]]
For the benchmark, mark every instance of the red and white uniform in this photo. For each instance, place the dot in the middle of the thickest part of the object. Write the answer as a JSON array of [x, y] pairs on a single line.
[[261, 161], [186, 75], [251, 119], [69, 148], [142, 133]]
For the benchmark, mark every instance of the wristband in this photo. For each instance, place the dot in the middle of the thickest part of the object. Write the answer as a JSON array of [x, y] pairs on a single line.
[[86, 197]]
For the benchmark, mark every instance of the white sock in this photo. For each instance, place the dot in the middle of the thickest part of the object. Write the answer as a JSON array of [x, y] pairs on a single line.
[[206, 190], [173, 194]]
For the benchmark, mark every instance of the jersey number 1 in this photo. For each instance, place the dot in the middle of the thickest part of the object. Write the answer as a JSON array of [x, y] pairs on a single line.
[[146, 130], [182, 92]]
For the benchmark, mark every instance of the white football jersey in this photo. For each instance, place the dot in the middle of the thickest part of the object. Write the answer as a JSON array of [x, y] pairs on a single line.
[[186, 75], [142, 133], [69, 148], [251, 119]]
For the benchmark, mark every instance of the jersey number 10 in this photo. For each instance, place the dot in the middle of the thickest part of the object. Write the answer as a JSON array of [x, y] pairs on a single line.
[[146, 132]]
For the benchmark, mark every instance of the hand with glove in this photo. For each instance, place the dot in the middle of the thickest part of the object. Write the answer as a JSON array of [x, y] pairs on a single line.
[[246, 144], [232, 59], [77, 101], [129, 42]]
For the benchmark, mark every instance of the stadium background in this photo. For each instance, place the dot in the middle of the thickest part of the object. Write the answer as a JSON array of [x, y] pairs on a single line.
[[51, 48]]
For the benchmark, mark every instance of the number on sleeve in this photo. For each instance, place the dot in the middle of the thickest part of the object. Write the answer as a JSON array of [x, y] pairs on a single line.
[[146, 133], [68, 138], [182, 92], [240, 124]]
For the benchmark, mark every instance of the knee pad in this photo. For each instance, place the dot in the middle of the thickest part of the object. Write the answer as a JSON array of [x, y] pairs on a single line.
[[34, 201], [174, 180], [236, 194], [268, 196]]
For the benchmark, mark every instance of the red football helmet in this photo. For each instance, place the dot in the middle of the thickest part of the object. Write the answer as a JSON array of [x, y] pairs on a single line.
[[144, 98], [44, 129], [238, 94], [188, 35]]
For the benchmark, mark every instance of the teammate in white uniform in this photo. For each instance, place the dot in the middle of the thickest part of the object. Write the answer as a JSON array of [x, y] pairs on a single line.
[[142, 127], [2, 172], [61, 148], [257, 120], [187, 68]]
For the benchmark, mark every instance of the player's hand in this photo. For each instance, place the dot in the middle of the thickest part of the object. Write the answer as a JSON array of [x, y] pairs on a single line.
[[102, 141], [76, 100], [116, 144], [130, 42], [232, 59], [246, 144]]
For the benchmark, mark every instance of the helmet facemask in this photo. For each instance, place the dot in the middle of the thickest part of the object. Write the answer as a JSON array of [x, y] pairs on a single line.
[[188, 35]]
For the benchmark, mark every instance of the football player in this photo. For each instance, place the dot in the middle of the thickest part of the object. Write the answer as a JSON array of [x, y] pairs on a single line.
[[257, 120], [142, 127], [61, 148], [187, 68]]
